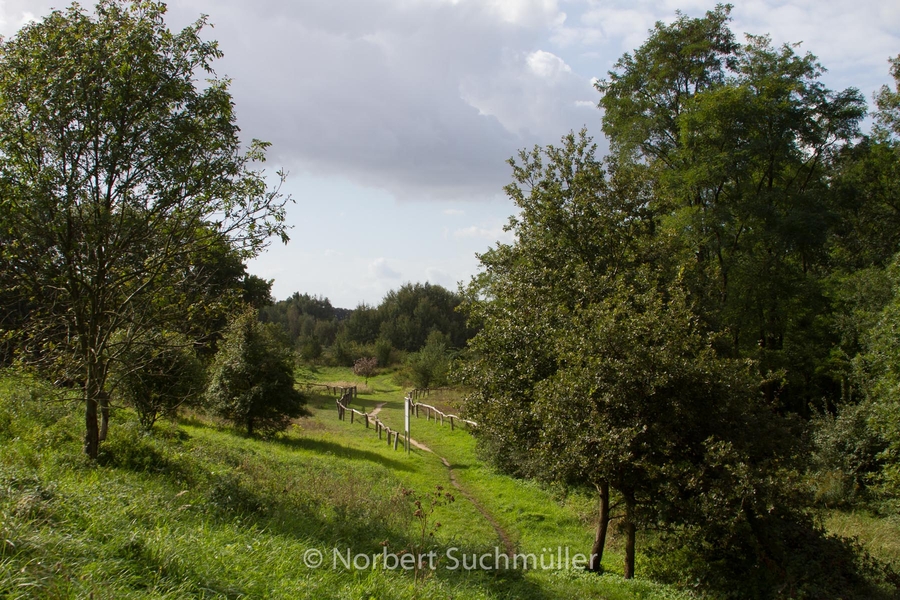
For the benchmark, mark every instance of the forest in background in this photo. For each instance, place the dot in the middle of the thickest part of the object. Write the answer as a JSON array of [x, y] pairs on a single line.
[[700, 328]]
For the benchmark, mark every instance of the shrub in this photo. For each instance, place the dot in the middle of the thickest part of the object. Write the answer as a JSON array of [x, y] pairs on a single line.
[[156, 374], [252, 382]]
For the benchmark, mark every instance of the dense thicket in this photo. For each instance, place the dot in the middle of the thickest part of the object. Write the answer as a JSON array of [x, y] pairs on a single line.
[[670, 317]]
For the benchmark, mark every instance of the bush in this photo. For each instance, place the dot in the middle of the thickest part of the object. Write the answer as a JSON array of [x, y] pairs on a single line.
[[252, 381], [156, 374], [847, 455], [429, 366]]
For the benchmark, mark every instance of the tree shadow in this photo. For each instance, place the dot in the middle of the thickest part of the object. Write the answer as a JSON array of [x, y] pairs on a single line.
[[325, 447]]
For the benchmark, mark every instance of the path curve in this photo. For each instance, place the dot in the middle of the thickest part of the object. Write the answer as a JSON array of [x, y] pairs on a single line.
[[501, 533]]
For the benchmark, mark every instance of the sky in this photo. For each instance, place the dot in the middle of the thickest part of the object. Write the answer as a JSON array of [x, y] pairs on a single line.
[[395, 118]]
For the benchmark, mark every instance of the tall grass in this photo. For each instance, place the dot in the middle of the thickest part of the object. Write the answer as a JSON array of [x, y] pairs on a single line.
[[196, 510]]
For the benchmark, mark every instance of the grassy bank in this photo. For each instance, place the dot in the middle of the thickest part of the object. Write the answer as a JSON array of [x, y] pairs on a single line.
[[196, 510]]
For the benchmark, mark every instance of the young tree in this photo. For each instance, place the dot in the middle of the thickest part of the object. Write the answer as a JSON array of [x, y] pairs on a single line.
[[252, 377], [116, 170], [430, 365], [155, 373], [365, 367]]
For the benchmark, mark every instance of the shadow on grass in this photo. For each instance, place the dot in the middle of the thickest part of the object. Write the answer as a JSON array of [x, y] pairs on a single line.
[[323, 447]]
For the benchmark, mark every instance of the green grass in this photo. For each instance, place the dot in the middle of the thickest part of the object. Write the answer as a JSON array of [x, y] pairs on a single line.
[[199, 511], [879, 535]]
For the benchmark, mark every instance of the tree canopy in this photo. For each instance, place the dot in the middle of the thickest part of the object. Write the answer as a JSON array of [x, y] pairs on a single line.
[[118, 171], [667, 315]]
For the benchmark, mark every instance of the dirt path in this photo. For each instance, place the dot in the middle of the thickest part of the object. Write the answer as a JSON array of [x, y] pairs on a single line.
[[501, 533]]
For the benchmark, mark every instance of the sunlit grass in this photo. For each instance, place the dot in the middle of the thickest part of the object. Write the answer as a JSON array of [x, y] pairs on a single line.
[[198, 510]]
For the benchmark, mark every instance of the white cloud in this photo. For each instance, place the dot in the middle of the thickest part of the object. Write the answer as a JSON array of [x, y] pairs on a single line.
[[527, 13], [379, 269], [491, 234], [440, 277], [454, 212], [547, 65]]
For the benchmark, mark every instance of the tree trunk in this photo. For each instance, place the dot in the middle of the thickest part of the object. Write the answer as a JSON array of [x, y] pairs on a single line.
[[602, 527], [92, 431], [104, 415], [628, 528]]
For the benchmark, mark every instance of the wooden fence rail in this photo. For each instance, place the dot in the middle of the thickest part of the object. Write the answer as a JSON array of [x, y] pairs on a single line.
[[334, 390], [434, 413], [382, 429]]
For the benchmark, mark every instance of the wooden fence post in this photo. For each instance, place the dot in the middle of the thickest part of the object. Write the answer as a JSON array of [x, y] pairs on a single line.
[[396, 439], [451, 422], [352, 412]]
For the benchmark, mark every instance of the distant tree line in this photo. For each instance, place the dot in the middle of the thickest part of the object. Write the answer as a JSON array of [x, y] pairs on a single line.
[[418, 323]]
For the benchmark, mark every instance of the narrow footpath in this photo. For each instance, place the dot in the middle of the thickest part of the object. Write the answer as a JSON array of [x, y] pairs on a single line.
[[501, 533]]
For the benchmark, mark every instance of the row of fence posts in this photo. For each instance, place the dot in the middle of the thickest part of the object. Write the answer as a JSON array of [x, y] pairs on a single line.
[[343, 407], [410, 406]]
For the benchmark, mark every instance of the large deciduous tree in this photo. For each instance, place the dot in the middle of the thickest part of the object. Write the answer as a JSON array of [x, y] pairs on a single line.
[[117, 169], [741, 139], [653, 328]]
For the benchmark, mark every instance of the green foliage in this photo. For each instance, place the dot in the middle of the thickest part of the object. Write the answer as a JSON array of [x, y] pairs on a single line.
[[430, 366], [878, 376], [156, 374], [251, 378], [888, 102], [663, 313], [848, 455], [121, 175], [407, 316], [773, 555], [384, 351], [310, 322], [740, 139]]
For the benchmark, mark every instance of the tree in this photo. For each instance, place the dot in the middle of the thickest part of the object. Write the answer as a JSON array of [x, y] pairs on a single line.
[[365, 367], [741, 140], [252, 377], [156, 373], [583, 231], [117, 170], [430, 365], [592, 368]]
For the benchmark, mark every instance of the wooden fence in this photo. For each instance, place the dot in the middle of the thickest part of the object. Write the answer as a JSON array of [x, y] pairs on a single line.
[[435, 413], [333, 390], [382, 429]]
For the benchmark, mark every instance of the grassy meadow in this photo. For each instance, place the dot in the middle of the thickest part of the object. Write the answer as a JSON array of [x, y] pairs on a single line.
[[197, 510]]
